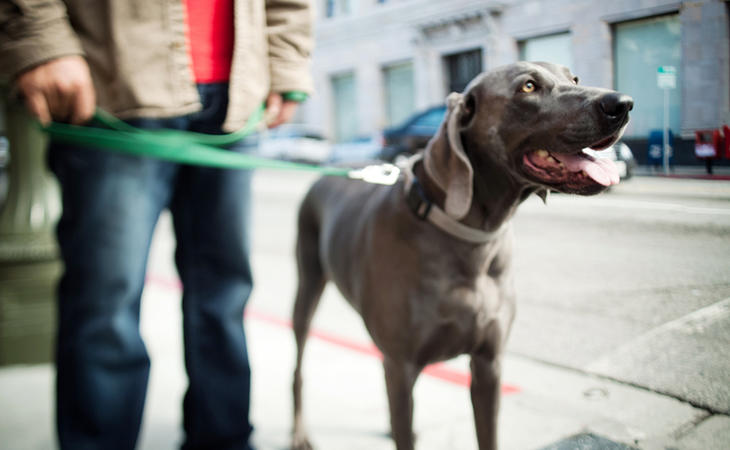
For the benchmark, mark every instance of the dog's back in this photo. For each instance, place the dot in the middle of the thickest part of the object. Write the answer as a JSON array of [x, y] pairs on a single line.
[[345, 211]]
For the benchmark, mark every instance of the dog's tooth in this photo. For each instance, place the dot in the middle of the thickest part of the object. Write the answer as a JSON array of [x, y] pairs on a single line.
[[542, 153], [551, 159]]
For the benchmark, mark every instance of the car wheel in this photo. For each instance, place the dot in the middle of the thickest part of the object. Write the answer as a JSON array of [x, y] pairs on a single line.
[[629, 172]]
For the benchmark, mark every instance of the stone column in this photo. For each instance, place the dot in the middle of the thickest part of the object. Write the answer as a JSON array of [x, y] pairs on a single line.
[[705, 65], [29, 262]]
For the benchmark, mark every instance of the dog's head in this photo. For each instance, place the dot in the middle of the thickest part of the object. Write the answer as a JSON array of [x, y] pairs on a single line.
[[528, 125]]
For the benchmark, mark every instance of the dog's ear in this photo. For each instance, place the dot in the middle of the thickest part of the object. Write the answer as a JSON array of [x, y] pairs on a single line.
[[446, 162]]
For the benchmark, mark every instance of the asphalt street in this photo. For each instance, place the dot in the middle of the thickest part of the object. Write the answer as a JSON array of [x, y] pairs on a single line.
[[632, 285], [622, 335], [611, 284]]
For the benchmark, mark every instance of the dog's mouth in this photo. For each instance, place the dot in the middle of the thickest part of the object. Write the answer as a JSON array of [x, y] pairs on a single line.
[[603, 144], [579, 173]]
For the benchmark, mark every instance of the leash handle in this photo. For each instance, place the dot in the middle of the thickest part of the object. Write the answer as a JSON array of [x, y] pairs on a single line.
[[108, 120]]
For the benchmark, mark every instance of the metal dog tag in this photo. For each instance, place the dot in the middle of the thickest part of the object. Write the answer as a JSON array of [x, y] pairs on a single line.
[[381, 174]]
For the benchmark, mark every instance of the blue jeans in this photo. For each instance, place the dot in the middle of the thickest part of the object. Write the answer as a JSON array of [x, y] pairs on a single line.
[[111, 203]]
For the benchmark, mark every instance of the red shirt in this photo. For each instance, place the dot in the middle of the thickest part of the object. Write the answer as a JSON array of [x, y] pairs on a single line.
[[210, 31]]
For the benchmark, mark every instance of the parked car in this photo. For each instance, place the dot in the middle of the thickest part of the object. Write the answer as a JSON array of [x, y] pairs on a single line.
[[359, 149], [624, 159], [413, 134], [294, 142], [622, 156]]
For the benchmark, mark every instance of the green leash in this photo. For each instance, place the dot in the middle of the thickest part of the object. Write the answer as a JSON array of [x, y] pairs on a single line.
[[199, 149]]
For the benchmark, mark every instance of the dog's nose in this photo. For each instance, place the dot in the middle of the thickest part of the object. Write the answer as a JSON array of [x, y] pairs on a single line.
[[616, 105]]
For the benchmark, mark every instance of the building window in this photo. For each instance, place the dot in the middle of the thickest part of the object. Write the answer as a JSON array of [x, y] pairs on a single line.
[[462, 68], [555, 48], [640, 48], [399, 92], [345, 106], [334, 8]]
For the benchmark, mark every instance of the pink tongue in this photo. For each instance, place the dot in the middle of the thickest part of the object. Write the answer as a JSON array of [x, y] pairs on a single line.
[[602, 170]]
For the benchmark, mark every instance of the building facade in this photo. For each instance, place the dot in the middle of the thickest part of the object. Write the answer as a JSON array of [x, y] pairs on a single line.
[[378, 61]]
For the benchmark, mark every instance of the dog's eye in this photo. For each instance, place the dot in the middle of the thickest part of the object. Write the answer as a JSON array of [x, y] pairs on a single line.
[[528, 87]]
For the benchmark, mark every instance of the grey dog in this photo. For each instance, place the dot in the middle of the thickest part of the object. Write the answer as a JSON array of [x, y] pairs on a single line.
[[427, 262]]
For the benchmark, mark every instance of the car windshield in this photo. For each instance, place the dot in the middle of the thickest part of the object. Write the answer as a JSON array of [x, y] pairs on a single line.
[[292, 131], [431, 118]]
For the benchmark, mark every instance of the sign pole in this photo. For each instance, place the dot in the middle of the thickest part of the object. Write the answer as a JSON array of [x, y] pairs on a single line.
[[666, 80], [665, 138]]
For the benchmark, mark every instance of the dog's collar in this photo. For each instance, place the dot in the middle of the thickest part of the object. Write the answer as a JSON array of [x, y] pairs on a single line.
[[419, 203]]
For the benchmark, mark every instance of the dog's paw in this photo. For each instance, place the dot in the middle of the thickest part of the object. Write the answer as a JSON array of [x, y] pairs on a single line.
[[300, 442]]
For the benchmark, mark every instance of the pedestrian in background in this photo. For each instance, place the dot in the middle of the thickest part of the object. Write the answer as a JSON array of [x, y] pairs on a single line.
[[198, 65]]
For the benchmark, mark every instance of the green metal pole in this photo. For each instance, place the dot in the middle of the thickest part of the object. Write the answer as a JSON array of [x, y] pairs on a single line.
[[29, 261]]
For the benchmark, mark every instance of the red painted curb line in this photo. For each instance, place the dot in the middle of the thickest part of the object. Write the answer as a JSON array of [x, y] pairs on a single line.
[[438, 370]]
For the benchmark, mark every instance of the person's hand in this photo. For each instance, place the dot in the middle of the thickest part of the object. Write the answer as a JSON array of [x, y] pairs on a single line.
[[60, 89], [279, 111]]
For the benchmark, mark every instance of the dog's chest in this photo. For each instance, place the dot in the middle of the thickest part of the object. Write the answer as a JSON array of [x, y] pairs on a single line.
[[460, 319], [462, 306]]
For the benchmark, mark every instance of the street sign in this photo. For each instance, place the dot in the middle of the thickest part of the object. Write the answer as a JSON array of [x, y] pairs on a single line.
[[666, 77]]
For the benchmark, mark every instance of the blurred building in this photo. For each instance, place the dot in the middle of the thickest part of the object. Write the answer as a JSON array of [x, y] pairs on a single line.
[[378, 61]]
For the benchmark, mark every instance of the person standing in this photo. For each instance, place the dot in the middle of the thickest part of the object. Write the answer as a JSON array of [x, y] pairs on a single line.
[[198, 65]]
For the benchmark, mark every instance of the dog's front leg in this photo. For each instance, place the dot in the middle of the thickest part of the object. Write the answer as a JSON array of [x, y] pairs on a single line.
[[399, 380], [485, 391]]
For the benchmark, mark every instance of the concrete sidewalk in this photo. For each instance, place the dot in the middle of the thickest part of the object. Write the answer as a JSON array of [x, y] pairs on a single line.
[[543, 407], [345, 395]]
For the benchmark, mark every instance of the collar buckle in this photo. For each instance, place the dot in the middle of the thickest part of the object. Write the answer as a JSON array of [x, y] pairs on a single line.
[[417, 200]]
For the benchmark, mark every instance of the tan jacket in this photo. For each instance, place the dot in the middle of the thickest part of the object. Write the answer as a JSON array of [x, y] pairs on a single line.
[[138, 53]]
